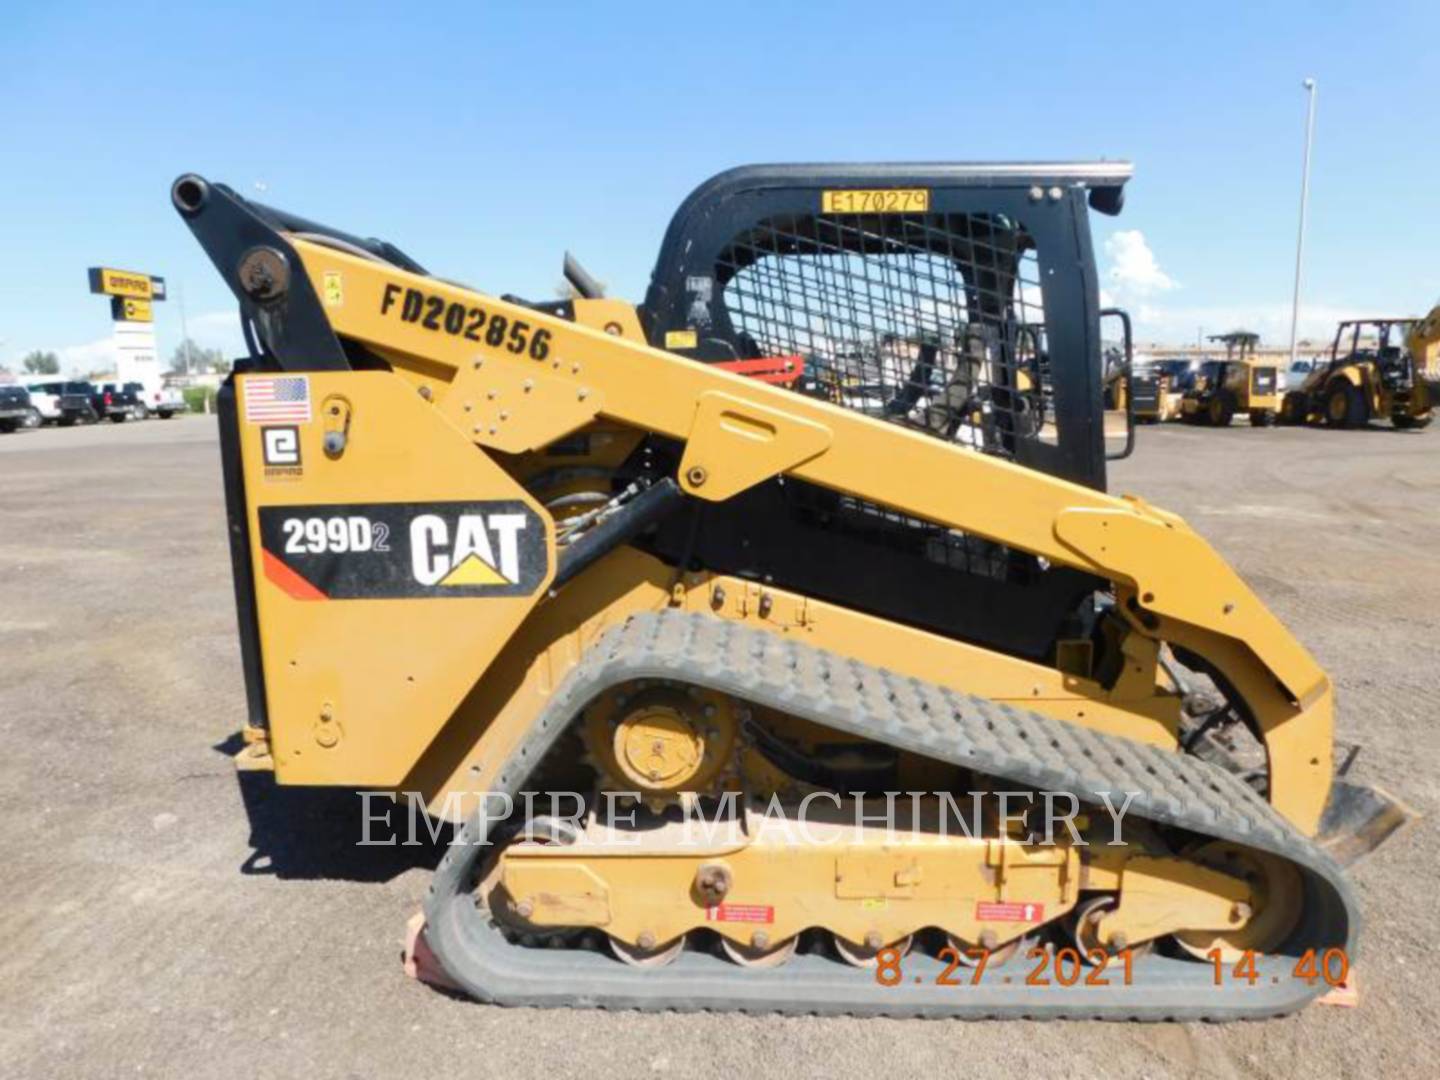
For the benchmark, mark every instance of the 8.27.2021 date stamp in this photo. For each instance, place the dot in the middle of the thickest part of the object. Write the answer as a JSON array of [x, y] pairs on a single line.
[[1068, 966], [1064, 967]]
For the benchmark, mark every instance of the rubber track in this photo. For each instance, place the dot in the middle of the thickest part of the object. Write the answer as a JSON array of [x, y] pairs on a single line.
[[1031, 750]]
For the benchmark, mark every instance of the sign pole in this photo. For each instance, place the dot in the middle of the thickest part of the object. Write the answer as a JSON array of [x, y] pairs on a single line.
[[132, 299]]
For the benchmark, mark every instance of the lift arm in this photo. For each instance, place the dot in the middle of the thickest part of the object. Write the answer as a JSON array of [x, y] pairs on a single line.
[[515, 378]]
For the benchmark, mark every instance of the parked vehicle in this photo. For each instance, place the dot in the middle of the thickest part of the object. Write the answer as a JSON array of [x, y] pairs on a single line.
[[16, 410], [45, 398], [1297, 373], [161, 401], [135, 393], [61, 402], [77, 403], [113, 402]]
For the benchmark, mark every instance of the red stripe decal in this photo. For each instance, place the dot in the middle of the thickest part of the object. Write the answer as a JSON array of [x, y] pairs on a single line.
[[294, 585]]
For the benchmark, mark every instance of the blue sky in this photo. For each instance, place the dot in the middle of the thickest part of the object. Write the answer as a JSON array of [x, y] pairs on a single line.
[[486, 138]]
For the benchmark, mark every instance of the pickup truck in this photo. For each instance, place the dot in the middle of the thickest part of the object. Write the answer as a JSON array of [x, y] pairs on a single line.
[[162, 401], [142, 401], [45, 397], [113, 402], [15, 408], [65, 402]]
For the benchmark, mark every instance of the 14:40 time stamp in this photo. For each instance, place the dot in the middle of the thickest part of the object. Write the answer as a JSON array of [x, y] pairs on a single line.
[[1067, 966]]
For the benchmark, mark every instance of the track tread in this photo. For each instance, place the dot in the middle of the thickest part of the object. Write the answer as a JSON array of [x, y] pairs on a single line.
[[842, 693]]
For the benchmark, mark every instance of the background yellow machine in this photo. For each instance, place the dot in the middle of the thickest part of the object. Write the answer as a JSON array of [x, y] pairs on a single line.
[[1423, 343], [492, 551], [1378, 369], [1239, 384], [1159, 388]]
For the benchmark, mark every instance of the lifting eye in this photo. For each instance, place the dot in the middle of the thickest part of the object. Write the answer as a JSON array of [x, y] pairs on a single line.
[[189, 194], [335, 413]]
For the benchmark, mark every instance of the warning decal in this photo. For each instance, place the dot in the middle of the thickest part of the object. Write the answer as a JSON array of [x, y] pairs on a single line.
[[747, 913], [994, 911], [390, 550]]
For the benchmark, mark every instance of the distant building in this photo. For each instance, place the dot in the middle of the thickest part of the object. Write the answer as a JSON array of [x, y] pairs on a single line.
[[209, 379]]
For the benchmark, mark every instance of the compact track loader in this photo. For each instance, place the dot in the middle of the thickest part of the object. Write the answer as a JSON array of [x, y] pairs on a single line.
[[702, 618]]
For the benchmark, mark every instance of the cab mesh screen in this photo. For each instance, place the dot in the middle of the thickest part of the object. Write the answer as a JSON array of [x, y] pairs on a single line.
[[933, 321]]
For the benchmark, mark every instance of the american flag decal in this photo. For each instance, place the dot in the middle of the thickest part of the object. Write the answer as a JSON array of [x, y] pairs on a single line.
[[271, 399]]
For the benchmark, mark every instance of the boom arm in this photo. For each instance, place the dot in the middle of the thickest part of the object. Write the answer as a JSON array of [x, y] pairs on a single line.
[[514, 378]]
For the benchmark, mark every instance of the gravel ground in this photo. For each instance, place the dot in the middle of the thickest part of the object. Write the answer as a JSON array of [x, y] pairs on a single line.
[[152, 929]]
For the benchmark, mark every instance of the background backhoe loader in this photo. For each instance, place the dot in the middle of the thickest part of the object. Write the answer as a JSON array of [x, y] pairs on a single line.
[[817, 533], [1377, 370]]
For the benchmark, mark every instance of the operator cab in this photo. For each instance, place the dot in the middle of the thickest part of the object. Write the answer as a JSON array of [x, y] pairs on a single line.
[[956, 300], [1377, 341]]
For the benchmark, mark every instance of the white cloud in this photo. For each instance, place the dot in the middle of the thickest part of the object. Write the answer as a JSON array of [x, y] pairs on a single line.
[[213, 322], [1134, 280], [98, 355], [209, 330], [1177, 325], [1133, 269], [214, 330]]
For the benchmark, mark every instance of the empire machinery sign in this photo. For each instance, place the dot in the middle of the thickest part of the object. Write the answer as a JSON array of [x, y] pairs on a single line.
[[132, 298]]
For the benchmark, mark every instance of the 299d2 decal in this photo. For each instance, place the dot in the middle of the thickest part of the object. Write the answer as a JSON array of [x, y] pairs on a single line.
[[392, 550], [472, 323]]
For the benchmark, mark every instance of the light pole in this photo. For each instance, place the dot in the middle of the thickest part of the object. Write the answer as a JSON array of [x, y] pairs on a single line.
[[1309, 85], [184, 329]]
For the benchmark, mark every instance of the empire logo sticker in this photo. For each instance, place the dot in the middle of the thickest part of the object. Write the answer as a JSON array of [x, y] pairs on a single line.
[[280, 452], [392, 550]]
